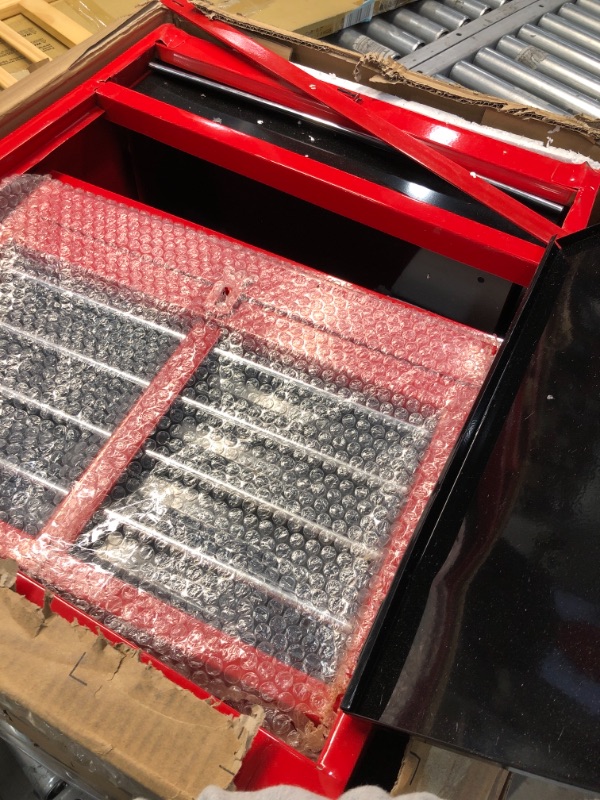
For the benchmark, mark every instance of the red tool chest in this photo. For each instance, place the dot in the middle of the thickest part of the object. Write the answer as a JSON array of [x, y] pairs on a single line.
[[208, 449]]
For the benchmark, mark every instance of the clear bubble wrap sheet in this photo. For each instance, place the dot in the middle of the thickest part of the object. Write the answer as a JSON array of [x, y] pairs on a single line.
[[218, 453]]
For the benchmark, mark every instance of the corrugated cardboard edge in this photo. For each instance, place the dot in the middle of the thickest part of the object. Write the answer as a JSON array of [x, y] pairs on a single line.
[[579, 134], [8, 573], [45, 85], [306, 19], [120, 725]]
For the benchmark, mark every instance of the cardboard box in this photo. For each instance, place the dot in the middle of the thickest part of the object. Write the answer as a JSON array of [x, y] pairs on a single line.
[[577, 134], [36, 46], [316, 18], [453, 776], [120, 726], [105, 28]]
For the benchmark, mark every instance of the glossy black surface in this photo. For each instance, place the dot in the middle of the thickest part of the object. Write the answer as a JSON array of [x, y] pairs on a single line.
[[490, 639], [373, 161]]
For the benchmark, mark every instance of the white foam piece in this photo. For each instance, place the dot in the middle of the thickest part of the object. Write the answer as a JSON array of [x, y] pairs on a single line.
[[545, 148]]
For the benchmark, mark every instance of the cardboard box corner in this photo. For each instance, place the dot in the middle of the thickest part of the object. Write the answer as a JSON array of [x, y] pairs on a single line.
[[121, 726]]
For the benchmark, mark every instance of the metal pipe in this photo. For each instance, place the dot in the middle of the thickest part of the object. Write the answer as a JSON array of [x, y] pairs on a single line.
[[62, 289], [16, 741], [229, 570], [65, 351], [591, 6], [436, 12], [580, 17], [495, 3], [471, 8], [531, 34], [326, 533], [351, 39], [523, 195], [73, 793], [481, 81], [44, 783], [390, 36], [447, 79], [538, 60], [8, 466], [573, 33], [338, 399], [11, 394], [529, 79], [199, 80], [418, 26], [292, 444]]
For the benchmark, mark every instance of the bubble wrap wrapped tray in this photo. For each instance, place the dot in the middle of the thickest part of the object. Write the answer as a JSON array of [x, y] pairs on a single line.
[[218, 453]]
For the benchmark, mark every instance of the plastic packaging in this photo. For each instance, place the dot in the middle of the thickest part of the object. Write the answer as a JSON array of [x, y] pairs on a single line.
[[220, 454]]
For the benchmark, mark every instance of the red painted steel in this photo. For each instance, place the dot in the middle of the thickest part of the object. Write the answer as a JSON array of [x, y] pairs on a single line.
[[23, 149], [383, 209], [466, 241], [48, 557], [492, 158], [452, 152], [84, 498], [280, 288], [351, 108]]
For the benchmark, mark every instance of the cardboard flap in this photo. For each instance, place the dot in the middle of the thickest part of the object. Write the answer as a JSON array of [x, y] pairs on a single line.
[[8, 573], [73, 692], [316, 18]]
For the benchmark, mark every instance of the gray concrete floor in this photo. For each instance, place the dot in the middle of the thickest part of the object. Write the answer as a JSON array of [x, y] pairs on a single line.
[[530, 789]]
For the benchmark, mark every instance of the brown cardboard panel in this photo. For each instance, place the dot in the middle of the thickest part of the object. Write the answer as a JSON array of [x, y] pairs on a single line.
[[426, 768], [582, 135], [120, 725], [95, 14], [8, 573], [292, 16], [104, 10], [315, 18]]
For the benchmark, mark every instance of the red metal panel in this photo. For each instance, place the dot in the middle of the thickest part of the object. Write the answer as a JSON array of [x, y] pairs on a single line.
[[270, 761], [90, 490], [25, 147], [204, 58], [383, 209], [552, 179], [293, 310], [357, 199], [351, 108], [452, 419]]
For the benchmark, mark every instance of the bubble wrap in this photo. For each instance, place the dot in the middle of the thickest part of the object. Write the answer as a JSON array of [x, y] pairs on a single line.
[[220, 454], [72, 365]]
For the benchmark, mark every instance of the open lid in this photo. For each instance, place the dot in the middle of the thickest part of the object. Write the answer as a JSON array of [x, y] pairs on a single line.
[[490, 638]]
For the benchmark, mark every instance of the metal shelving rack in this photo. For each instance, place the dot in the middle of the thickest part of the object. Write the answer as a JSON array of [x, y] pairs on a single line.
[[542, 53]]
